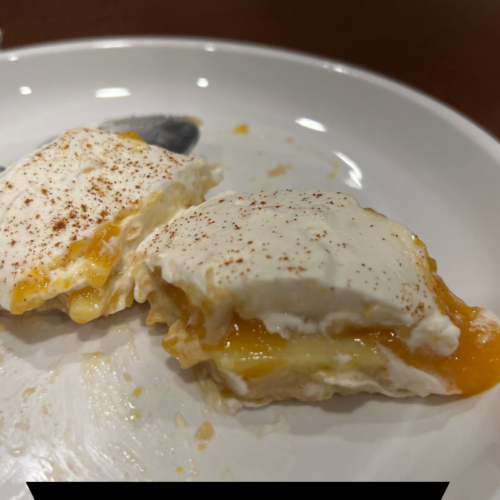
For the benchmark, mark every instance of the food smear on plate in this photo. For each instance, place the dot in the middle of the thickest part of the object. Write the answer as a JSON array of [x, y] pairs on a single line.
[[301, 293], [73, 212], [333, 174], [205, 432], [241, 129], [179, 421], [280, 170]]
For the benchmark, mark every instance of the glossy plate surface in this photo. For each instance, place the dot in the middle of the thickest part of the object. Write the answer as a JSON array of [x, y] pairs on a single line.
[[69, 397]]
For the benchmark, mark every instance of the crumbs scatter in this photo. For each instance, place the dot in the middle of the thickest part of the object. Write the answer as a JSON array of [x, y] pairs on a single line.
[[279, 170], [28, 392], [136, 415], [179, 421], [205, 432], [336, 166], [241, 129]]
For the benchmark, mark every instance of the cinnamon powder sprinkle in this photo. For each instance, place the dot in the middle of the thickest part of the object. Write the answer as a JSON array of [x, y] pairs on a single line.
[[283, 236]]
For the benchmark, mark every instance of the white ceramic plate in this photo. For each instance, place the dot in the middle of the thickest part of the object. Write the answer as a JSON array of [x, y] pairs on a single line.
[[68, 414]]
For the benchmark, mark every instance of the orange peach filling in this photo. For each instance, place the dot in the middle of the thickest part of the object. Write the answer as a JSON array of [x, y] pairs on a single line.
[[475, 364], [249, 350], [99, 257]]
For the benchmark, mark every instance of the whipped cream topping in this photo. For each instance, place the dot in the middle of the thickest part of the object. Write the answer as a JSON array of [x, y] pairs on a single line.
[[62, 192], [303, 261]]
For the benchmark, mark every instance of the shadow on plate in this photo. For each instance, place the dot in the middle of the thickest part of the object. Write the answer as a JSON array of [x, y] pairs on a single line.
[[43, 338], [350, 415]]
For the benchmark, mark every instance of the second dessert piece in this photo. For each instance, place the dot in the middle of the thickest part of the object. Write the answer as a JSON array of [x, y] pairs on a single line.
[[73, 213], [302, 294]]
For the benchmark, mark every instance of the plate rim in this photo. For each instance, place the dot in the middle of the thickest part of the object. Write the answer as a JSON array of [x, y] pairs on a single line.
[[482, 137], [452, 118]]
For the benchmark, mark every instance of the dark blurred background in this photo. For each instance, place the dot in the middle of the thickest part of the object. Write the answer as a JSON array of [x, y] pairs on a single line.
[[449, 49]]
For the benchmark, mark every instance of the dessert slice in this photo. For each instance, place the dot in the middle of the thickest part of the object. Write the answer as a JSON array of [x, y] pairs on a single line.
[[302, 294], [73, 213]]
